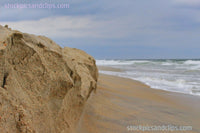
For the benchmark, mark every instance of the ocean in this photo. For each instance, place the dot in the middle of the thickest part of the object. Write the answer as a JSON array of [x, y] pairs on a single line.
[[181, 76]]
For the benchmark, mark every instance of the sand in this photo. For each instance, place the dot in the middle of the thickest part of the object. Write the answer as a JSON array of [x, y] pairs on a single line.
[[120, 102], [43, 87]]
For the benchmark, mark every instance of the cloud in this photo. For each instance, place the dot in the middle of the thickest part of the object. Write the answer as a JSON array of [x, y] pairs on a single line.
[[105, 20], [103, 24], [64, 26], [72, 27], [137, 22], [76, 8]]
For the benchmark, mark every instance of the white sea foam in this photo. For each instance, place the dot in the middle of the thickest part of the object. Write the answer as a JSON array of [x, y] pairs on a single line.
[[192, 62], [172, 75], [118, 62], [167, 64]]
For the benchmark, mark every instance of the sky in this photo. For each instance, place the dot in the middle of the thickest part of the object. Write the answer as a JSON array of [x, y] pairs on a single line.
[[114, 29]]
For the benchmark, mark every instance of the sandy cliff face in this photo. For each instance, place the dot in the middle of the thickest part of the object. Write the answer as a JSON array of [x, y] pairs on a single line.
[[43, 87]]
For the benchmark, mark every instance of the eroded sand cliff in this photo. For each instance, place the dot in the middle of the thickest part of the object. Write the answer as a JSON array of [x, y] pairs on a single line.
[[43, 87]]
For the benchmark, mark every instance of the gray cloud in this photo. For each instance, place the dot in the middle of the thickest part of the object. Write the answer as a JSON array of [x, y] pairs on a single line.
[[132, 23]]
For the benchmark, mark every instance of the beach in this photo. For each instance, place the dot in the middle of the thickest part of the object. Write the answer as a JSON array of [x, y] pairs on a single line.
[[121, 103]]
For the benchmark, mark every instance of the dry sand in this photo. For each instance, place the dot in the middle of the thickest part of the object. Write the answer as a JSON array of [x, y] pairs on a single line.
[[121, 102], [43, 87]]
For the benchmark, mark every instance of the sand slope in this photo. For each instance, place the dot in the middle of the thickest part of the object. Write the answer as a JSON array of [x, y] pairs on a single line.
[[120, 102]]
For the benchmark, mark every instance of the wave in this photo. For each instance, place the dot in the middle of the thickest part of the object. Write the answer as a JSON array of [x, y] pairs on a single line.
[[172, 75], [179, 64], [192, 62], [118, 62], [167, 64], [193, 65], [178, 85]]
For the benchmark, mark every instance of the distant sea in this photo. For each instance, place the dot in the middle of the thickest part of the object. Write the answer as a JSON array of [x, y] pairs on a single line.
[[172, 75]]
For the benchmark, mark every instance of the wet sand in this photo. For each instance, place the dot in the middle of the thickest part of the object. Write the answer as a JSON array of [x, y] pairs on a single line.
[[121, 102]]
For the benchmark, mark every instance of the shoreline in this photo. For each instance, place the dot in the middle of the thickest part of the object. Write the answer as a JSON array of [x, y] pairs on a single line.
[[107, 68], [121, 102]]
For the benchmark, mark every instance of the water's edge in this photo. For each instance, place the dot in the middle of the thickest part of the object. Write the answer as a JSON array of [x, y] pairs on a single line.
[[182, 76]]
